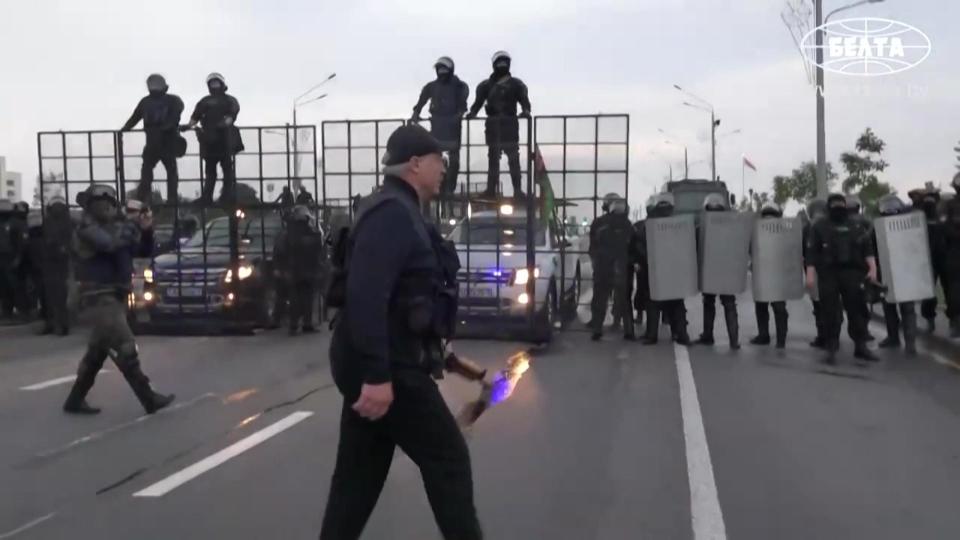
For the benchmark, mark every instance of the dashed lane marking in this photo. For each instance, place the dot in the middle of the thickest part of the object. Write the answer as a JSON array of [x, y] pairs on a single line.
[[54, 382]]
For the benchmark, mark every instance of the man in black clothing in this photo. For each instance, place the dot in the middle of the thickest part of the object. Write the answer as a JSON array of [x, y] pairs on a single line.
[[951, 258], [502, 92], [637, 277], [840, 257], [297, 254], [780, 316], [378, 355], [929, 204], [57, 236], [160, 113], [715, 203], [219, 137], [816, 210], [610, 237], [902, 316], [674, 310], [11, 253], [448, 103], [106, 244]]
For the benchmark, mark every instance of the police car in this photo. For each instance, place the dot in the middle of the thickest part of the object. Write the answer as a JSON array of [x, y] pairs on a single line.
[[492, 246]]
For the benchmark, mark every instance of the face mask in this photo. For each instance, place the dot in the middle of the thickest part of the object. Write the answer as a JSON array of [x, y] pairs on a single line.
[[155, 90], [102, 210], [444, 74], [215, 87], [501, 68], [838, 213], [930, 208]]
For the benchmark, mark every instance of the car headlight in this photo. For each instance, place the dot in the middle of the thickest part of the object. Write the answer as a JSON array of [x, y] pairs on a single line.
[[522, 275], [148, 275], [243, 272]]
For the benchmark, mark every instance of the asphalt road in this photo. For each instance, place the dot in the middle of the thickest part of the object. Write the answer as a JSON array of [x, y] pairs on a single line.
[[608, 440]]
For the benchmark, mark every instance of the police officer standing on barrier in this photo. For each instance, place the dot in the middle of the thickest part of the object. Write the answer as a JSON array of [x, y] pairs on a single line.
[[903, 315], [780, 316], [502, 92], [840, 258], [675, 311], [610, 238], [388, 293], [57, 236], [816, 210], [448, 103], [106, 244], [219, 137], [715, 203], [297, 253], [160, 113]]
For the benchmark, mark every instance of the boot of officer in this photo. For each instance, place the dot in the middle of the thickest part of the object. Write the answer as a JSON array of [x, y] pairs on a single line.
[[771, 210], [897, 316], [714, 203], [840, 257], [106, 244]]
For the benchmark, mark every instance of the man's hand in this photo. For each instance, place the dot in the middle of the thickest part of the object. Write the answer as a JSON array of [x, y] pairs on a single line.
[[375, 400], [524, 114], [228, 121], [811, 279], [872, 269]]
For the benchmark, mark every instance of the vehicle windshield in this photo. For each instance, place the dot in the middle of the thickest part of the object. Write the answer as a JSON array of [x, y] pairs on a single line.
[[493, 231], [688, 202], [262, 232]]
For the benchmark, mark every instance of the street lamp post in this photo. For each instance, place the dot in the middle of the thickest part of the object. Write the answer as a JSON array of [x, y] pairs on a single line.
[[714, 124], [298, 102], [820, 20], [686, 160]]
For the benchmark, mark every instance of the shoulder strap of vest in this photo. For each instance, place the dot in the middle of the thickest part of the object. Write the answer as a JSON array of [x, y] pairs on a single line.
[[378, 199]]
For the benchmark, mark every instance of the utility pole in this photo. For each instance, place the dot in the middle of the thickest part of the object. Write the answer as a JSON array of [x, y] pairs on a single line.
[[713, 143], [821, 112]]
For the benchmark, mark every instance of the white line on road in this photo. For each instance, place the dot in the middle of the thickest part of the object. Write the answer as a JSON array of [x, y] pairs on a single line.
[[54, 382], [176, 480], [27, 526], [704, 502]]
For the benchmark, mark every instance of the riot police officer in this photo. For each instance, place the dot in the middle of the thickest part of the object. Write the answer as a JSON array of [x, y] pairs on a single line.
[[929, 204], [11, 254], [771, 210], [610, 238], [448, 103], [855, 208], [32, 266], [904, 312], [675, 311], [219, 137], [638, 278], [816, 210], [951, 259], [715, 203], [297, 254], [390, 309], [840, 257], [106, 245], [160, 112], [57, 235], [502, 92]]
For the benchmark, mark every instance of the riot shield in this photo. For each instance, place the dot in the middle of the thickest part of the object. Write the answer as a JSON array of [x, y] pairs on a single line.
[[725, 249], [672, 255], [903, 250], [777, 251]]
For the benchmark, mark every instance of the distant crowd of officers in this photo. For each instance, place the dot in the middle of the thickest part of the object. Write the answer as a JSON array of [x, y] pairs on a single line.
[[840, 258]]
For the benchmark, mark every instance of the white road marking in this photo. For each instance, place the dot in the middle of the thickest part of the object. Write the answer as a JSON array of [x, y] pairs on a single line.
[[54, 382], [704, 502], [176, 480], [27, 526]]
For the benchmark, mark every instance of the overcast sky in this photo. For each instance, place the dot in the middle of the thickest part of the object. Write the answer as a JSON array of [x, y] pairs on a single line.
[[81, 65]]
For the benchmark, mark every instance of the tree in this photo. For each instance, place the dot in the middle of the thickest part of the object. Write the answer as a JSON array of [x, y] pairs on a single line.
[[801, 185], [957, 150], [862, 167]]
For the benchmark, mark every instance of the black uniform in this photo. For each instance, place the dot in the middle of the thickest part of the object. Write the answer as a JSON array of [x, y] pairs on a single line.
[[448, 103], [610, 238], [105, 252], [731, 317], [675, 311], [820, 340], [160, 113], [762, 311], [391, 264], [57, 235], [297, 254], [33, 270], [838, 249], [936, 234], [219, 141], [502, 93], [951, 264], [12, 251], [637, 277]]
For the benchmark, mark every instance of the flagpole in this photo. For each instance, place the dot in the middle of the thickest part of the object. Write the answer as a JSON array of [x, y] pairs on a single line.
[[743, 178]]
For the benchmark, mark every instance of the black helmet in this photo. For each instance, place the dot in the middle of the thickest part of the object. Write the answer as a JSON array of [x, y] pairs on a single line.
[[714, 203], [217, 77], [97, 191], [665, 200], [835, 198], [6, 207], [771, 209], [21, 208], [816, 208], [445, 61], [500, 56], [854, 205], [300, 213], [156, 82], [890, 205]]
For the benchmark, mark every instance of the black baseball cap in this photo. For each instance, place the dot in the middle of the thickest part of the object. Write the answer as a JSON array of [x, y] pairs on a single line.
[[410, 141]]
